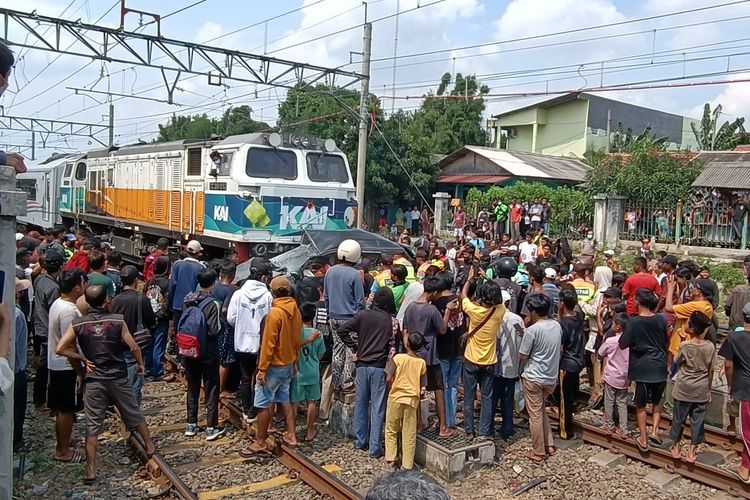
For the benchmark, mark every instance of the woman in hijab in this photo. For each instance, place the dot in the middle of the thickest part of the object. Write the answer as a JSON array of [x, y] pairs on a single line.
[[373, 344], [564, 254], [603, 281]]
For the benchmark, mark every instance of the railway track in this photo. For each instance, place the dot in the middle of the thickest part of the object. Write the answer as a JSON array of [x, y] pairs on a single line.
[[715, 477], [178, 461]]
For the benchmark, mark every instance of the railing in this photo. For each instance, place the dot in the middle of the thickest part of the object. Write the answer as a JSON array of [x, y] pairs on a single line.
[[654, 221]]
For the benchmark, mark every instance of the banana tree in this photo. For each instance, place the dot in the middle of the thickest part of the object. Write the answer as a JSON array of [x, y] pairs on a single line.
[[712, 137]]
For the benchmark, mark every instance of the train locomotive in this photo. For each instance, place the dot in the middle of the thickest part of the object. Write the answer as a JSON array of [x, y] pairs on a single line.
[[254, 193]]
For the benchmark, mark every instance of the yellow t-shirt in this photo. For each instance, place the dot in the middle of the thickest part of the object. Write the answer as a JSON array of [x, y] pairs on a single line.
[[682, 313], [407, 372], [481, 347]]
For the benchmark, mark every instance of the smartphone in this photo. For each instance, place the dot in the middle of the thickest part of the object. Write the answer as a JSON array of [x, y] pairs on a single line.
[[519, 329], [2, 288]]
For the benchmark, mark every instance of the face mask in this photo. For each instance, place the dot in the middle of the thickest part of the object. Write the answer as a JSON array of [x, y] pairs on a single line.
[[589, 236]]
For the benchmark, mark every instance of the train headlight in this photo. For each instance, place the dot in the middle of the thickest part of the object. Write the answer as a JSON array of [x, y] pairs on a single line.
[[329, 145], [295, 140], [274, 140], [305, 141]]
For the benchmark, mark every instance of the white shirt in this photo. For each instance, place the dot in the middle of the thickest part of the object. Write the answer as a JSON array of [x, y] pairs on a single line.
[[415, 214], [451, 254], [527, 251], [61, 315]]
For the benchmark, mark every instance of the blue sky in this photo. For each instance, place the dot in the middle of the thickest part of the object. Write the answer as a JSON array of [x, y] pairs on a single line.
[[655, 49]]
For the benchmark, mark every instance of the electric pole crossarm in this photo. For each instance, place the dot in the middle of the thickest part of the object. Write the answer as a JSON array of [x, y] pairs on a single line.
[[141, 49], [56, 127]]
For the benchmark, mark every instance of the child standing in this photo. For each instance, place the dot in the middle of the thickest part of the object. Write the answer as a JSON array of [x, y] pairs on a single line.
[[405, 376], [692, 387], [615, 377], [306, 384]]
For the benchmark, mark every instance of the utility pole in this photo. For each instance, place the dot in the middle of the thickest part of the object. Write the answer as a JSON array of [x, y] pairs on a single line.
[[33, 142], [363, 120], [13, 204], [395, 59], [111, 141], [609, 125]]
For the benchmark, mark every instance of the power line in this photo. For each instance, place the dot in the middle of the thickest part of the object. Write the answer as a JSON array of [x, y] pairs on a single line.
[[564, 32]]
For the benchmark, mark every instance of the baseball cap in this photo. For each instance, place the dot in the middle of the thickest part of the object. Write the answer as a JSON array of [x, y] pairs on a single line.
[[746, 310], [53, 257], [505, 296], [19, 236], [22, 285], [34, 234], [550, 273], [194, 246], [609, 253], [704, 286], [670, 259], [70, 237], [280, 283]]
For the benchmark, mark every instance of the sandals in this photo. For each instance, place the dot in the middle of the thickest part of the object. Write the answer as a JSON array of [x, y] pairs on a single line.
[[656, 440], [551, 450], [533, 457], [251, 453], [641, 447], [676, 453], [312, 438], [89, 480], [75, 458], [287, 443]]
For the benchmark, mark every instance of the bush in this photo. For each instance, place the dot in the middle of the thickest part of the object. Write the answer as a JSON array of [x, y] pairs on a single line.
[[570, 206]]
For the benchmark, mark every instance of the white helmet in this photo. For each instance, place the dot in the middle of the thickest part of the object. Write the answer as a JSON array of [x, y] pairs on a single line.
[[349, 251]]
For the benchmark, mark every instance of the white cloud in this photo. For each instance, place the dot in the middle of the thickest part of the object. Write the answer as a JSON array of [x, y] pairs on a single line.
[[734, 99], [209, 30]]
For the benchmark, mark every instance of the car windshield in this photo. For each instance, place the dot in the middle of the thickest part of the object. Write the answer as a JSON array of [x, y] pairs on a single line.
[[293, 260]]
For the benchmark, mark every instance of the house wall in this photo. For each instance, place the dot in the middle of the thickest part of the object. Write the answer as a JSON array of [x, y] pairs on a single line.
[[564, 133]]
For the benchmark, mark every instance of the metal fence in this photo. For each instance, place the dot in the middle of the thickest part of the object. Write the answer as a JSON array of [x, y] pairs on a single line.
[[705, 220], [653, 220]]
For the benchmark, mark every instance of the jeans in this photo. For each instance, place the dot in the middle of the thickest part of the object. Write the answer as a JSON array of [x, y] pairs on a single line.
[[248, 362], [504, 392], [135, 380], [370, 397], [155, 365], [480, 375], [208, 373], [451, 369], [20, 395], [697, 414]]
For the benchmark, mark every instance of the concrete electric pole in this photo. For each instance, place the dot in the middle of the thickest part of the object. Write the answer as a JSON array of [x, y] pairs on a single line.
[[363, 121], [12, 204]]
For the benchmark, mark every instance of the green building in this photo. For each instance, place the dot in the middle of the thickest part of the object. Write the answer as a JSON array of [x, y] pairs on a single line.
[[571, 124]]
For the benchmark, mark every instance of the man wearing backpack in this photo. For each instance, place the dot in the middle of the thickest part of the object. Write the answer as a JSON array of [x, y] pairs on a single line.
[[198, 342], [157, 292], [279, 350], [184, 278], [247, 308]]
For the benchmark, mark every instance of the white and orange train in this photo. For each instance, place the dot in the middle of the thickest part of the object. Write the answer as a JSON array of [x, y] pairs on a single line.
[[254, 193]]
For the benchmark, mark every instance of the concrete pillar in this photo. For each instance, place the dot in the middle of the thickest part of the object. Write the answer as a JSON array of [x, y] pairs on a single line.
[[534, 130], [12, 204], [613, 221], [442, 207], [600, 216]]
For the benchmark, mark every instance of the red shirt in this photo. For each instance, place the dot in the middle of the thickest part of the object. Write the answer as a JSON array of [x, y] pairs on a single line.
[[515, 213], [148, 264], [79, 260], [633, 283], [460, 220]]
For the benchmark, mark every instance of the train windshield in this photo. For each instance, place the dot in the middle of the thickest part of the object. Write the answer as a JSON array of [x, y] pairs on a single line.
[[326, 168], [271, 163]]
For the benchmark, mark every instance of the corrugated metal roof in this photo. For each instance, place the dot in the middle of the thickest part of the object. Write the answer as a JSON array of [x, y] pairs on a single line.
[[724, 169], [528, 165], [472, 179]]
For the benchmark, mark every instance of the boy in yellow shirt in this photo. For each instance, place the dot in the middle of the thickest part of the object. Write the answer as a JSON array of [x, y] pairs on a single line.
[[405, 375]]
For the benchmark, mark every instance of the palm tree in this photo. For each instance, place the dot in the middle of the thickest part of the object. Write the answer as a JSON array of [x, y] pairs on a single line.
[[727, 136]]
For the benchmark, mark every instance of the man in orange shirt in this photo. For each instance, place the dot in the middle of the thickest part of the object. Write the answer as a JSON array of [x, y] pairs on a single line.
[[698, 291], [516, 214], [279, 349]]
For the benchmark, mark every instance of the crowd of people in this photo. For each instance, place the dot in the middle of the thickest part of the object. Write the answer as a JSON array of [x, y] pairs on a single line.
[[509, 325]]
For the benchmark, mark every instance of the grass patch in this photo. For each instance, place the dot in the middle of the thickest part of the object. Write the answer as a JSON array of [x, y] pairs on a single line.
[[42, 462]]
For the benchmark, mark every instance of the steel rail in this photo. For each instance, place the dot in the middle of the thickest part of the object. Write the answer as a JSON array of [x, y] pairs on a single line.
[[713, 435], [702, 473], [300, 466], [160, 470]]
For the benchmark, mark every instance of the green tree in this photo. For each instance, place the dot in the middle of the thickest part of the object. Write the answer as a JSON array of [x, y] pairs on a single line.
[[712, 137], [646, 174], [234, 121], [452, 117]]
